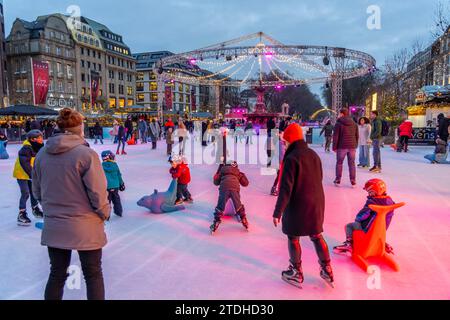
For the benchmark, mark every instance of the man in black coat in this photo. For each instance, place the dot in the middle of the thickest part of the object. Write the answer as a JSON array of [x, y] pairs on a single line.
[[443, 124], [345, 143], [301, 204]]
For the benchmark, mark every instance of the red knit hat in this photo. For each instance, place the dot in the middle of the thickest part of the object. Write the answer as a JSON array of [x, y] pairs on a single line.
[[293, 133]]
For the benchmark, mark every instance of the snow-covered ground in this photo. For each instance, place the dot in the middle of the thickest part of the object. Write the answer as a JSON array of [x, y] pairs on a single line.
[[174, 257]]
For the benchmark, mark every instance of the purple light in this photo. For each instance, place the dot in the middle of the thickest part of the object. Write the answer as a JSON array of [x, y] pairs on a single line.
[[269, 55], [193, 61]]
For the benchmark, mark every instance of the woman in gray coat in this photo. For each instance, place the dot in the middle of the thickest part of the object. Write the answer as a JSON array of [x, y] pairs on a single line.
[[70, 184]]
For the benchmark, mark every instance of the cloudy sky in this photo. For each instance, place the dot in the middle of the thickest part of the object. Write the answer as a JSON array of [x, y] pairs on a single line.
[[184, 25]]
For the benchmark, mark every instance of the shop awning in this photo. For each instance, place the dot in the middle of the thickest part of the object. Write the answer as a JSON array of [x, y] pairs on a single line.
[[27, 110]]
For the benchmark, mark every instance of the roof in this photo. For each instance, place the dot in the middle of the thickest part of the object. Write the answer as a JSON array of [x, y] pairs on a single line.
[[146, 60]]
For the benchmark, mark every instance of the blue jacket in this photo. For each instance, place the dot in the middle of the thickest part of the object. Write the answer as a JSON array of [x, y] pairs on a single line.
[[367, 216], [113, 175]]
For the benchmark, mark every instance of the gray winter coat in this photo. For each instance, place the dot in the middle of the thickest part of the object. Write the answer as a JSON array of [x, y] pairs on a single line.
[[69, 182], [364, 134]]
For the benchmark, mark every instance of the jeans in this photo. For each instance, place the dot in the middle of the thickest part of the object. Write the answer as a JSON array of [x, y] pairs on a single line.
[[121, 141], [183, 192], [143, 135], [224, 196], [351, 155], [91, 263], [349, 228], [169, 149], [295, 250], [25, 194], [327, 143], [98, 137], [364, 158], [114, 198], [376, 152]]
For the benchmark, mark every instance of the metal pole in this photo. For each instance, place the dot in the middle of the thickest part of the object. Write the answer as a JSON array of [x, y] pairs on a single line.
[[217, 96]]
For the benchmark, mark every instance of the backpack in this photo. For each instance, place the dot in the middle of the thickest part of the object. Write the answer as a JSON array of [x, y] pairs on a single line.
[[385, 128]]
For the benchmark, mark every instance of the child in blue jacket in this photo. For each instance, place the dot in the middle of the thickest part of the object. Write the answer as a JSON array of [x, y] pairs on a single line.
[[115, 181]]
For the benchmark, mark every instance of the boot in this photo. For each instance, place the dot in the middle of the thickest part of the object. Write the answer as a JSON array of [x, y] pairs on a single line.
[[294, 275], [326, 273], [346, 247], [274, 192], [215, 226], [37, 212], [23, 220]]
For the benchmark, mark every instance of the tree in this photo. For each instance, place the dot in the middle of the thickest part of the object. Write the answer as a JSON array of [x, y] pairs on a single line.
[[441, 19]]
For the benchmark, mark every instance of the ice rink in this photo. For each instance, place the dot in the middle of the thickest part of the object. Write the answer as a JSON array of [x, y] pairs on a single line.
[[174, 256]]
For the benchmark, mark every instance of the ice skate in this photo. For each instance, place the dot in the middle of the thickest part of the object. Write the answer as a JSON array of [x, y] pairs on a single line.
[[178, 202], [215, 226], [23, 220], [326, 273], [37, 212], [244, 222], [293, 276], [337, 183], [274, 192], [346, 248], [354, 185], [375, 170], [124, 153], [189, 200], [389, 249]]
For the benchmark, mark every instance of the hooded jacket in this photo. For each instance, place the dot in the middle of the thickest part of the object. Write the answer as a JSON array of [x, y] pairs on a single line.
[[113, 175], [24, 162], [230, 178], [69, 182], [406, 129], [346, 134]]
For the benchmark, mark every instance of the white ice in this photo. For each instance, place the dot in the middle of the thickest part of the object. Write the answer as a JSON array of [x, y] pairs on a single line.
[[173, 256]]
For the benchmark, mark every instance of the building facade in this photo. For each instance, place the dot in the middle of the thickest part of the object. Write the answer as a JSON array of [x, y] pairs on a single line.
[[4, 100], [48, 40]]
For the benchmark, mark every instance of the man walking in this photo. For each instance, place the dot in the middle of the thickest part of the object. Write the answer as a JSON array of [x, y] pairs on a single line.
[[345, 143], [376, 136]]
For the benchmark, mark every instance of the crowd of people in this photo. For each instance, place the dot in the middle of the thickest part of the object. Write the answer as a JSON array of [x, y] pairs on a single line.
[[73, 191]]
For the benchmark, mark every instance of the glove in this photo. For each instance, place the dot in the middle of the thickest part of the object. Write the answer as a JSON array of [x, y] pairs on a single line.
[[122, 187]]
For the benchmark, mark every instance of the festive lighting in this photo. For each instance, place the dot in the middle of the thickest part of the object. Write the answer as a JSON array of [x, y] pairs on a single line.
[[193, 61]]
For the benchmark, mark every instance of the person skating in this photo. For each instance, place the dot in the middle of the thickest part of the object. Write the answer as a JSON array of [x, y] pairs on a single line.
[[377, 195], [405, 133], [114, 180], [440, 153], [229, 179], [345, 142], [282, 152], [129, 127], [121, 139], [376, 136], [154, 131], [69, 182], [301, 205], [143, 127], [328, 131], [23, 173], [180, 171], [364, 129], [98, 133], [442, 128], [169, 140]]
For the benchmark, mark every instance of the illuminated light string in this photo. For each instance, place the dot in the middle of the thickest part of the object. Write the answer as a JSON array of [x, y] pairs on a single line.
[[235, 72], [272, 71], [205, 77], [300, 64], [249, 73]]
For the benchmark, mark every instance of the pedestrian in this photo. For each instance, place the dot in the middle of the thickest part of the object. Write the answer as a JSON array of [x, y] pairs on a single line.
[[182, 134], [71, 186], [443, 125], [376, 136], [301, 205], [364, 129], [121, 139], [345, 143], [98, 133], [143, 128], [115, 131], [169, 140], [328, 130], [23, 173], [35, 125], [154, 131], [129, 127], [405, 132], [114, 181], [249, 132]]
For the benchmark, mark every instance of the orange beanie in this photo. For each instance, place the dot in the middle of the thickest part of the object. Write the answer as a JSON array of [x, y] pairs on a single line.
[[293, 133]]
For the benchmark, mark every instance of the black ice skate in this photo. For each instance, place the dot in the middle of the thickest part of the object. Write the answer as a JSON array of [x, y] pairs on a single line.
[[293, 276], [37, 213], [389, 249], [326, 273], [215, 226], [337, 182], [345, 248], [23, 220], [244, 222], [274, 192]]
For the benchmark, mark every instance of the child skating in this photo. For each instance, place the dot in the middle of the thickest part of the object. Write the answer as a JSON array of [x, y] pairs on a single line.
[[377, 195], [229, 179], [115, 181], [182, 173]]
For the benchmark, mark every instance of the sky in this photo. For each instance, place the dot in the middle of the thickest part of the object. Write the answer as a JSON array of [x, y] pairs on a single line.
[[184, 25]]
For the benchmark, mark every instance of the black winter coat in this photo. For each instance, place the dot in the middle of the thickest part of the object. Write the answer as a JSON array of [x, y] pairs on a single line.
[[230, 178], [98, 130], [301, 201], [346, 134], [443, 128]]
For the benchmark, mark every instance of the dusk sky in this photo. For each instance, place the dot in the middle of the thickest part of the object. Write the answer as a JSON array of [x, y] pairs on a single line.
[[184, 25]]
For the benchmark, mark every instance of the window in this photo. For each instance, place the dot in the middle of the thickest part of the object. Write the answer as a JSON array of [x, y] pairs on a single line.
[[82, 63], [69, 88], [59, 68], [83, 77], [121, 89], [111, 74], [89, 64], [153, 86], [121, 76], [69, 71], [88, 52], [130, 91], [99, 54], [140, 76], [112, 88], [79, 38], [130, 102], [60, 86], [154, 97], [47, 48], [112, 102], [83, 91], [122, 102], [51, 86], [99, 67], [140, 98], [140, 86], [93, 53], [95, 66]]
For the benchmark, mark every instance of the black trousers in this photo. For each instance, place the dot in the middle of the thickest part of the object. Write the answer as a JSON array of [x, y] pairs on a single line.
[[91, 264], [114, 198], [404, 140], [224, 196], [183, 192], [295, 250]]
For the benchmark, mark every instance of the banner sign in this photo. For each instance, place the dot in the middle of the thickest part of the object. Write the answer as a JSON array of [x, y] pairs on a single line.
[[95, 86], [423, 136], [168, 98], [193, 101], [41, 81]]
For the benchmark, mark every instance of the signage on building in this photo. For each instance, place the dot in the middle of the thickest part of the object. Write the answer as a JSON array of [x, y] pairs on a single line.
[[423, 136], [95, 86], [168, 98], [41, 80]]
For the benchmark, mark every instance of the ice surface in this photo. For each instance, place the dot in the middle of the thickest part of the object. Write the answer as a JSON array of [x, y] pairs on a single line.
[[173, 256]]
